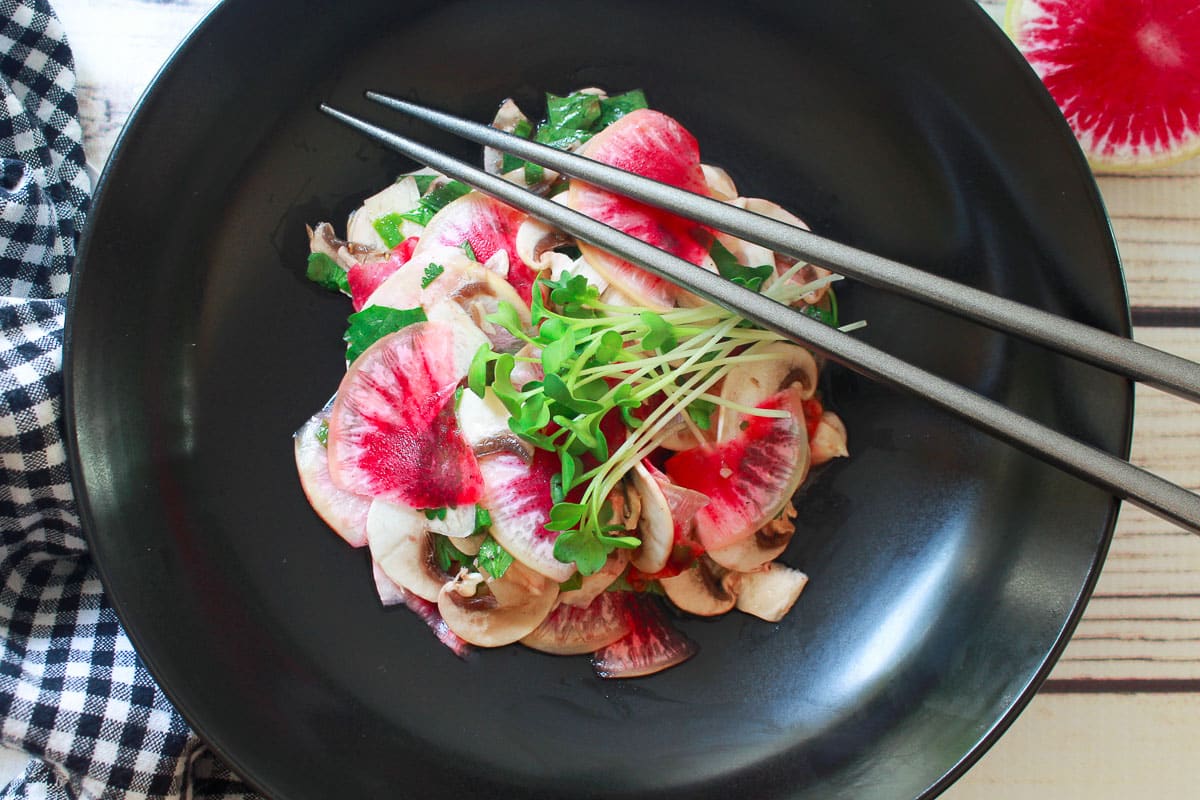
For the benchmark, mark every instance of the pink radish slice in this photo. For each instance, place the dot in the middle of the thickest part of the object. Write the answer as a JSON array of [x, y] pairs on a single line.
[[392, 594], [517, 495], [392, 432], [488, 226], [652, 644], [654, 145], [750, 478], [342, 511], [570, 630], [365, 278]]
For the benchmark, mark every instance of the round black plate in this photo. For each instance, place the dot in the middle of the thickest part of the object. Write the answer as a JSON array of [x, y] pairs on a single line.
[[946, 569]]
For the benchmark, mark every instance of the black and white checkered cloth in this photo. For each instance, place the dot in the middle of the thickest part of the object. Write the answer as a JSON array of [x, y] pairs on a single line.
[[73, 693]]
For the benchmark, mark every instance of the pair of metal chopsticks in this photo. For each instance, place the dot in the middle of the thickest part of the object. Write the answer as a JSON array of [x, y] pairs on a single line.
[[1100, 348]]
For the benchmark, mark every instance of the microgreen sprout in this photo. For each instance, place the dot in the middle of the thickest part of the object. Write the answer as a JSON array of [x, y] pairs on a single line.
[[651, 370]]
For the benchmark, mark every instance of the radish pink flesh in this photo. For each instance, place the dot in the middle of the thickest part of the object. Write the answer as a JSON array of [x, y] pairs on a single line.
[[364, 279], [517, 495], [393, 434], [652, 644], [488, 226], [747, 479], [1124, 73], [654, 145], [344, 512], [570, 630]]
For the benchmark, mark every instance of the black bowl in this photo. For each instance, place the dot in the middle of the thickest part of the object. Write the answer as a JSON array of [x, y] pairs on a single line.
[[947, 570]]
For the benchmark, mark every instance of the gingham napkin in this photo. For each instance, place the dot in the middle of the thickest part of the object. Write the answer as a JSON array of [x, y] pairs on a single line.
[[73, 693]]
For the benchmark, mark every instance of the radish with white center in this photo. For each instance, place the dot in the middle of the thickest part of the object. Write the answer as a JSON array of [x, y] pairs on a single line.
[[748, 479], [653, 145], [651, 645], [571, 630], [1123, 72], [392, 431], [344, 512], [516, 493]]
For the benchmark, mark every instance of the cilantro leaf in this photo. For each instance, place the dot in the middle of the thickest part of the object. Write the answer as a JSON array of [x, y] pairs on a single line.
[[434, 513], [613, 108], [373, 323], [447, 555], [324, 271], [825, 311], [432, 271], [322, 433], [493, 558], [424, 182], [729, 267]]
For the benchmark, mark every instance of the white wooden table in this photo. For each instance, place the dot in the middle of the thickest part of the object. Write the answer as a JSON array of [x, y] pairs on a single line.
[[1120, 715]]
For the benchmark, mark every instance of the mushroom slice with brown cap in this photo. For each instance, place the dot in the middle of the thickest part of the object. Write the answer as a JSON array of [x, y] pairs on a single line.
[[401, 197], [501, 610], [402, 546], [483, 422], [508, 117], [478, 291], [536, 242], [776, 366], [771, 592], [720, 185], [705, 589], [767, 544]]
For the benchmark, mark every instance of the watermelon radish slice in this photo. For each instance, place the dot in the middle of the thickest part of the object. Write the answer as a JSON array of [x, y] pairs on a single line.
[[652, 644], [750, 478], [571, 631], [392, 432], [346, 513], [517, 495], [654, 145], [489, 226], [391, 593], [365, 278], [1124, 72]]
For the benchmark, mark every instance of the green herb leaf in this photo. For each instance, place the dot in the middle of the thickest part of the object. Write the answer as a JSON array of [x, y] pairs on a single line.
[[564, 516], [533, 173], [729, 267], [470, 251], [583, 549], [324, 271], [448, 555], [826, 311], [424, 182], [434, 513], [388, 228], [661, 336], [613, 108], [373, 323], [507, 317], [477, 372], [701, 411], [432, 271], [483, 519], [322, 433], [493, 558], [572, 583], [435, 201]]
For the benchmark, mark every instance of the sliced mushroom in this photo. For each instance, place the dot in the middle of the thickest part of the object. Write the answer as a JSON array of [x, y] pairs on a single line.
[[402, 546], [705, 588], [536, 242], [656, 526], [484, 424], [401, 197], [770, 592], [478, 291], [810, 272], [324, 240], [592, 585], [829, 439], [501, 610], [751, 382], [767, 544], [507, 118]]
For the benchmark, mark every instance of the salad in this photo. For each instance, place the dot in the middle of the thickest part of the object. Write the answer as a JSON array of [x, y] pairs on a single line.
[[541, 443]]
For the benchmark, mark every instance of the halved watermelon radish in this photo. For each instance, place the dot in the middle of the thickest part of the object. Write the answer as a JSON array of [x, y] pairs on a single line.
[[748, 479], [365, 278], [652, 644], [570, 630], [342, 511], [1124, 72], [392, 432], [517, 495], [489, 226], [654, 145]]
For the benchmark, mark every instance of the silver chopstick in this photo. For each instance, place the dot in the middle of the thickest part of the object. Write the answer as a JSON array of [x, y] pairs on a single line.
[[1092, 345], [1102, 469]]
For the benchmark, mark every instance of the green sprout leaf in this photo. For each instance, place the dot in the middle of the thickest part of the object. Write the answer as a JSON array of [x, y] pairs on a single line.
[[432, 271], [729, 267]]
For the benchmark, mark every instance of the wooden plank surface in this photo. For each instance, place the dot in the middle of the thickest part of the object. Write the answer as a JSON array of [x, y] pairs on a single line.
[[1102, 727]]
